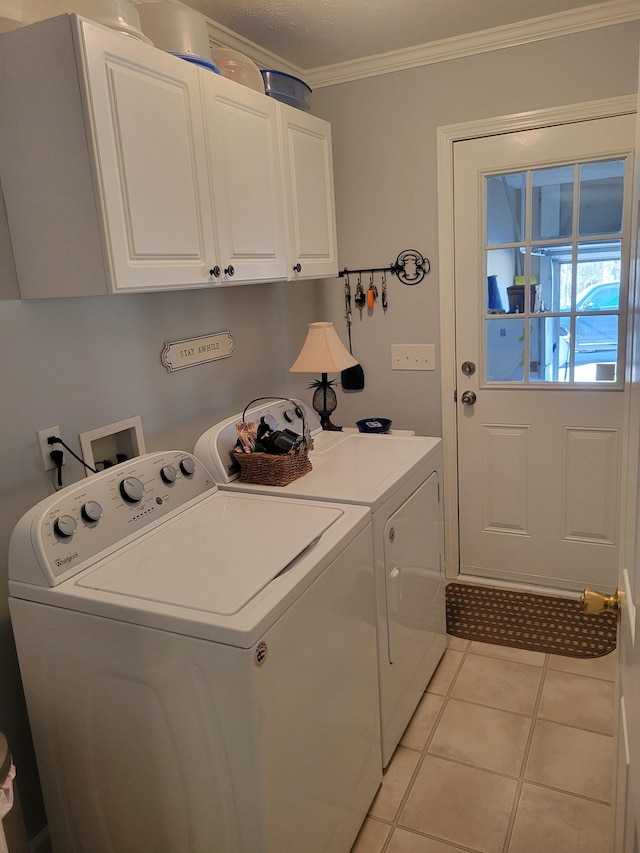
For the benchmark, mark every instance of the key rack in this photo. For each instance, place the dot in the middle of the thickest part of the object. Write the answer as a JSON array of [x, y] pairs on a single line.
[[410, 267]]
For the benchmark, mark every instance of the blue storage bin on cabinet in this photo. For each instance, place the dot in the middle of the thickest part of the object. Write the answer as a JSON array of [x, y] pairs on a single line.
[[286, 88]]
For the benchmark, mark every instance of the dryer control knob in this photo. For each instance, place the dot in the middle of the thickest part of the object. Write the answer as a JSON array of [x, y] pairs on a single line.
[[132, 490], [188, 466], [168, 474], [91, 511], [65, 526]]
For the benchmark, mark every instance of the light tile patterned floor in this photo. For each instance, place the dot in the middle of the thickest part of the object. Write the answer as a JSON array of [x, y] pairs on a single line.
[[509, 751]]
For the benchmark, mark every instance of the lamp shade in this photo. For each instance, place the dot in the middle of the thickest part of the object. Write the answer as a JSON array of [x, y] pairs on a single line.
[[322, 352]]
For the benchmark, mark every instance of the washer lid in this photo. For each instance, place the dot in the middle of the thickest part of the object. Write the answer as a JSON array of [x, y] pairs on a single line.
[[217, 556]]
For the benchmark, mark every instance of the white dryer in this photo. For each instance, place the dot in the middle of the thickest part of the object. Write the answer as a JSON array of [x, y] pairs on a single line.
[[199, 666], [399, 478]]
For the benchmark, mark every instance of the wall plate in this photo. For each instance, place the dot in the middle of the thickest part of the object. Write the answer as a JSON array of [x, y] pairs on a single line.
[[413, 357], [46, 448], [102, 447]]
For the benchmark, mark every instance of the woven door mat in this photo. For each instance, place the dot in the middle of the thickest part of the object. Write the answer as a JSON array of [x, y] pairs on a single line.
[[522, 620]]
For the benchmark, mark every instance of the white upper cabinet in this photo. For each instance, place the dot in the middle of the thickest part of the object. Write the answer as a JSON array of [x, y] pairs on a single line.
[[102, 162], [245, 174], [308, 173], [146, 124], [126, 169]]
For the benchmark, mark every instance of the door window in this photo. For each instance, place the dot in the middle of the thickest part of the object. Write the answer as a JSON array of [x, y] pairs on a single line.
[[553, 252]]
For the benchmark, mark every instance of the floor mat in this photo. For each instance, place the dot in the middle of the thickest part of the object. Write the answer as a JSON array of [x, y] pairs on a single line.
[[523, 620]]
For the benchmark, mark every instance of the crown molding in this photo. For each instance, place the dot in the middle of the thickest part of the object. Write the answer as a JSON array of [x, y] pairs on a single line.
[[511, 35]]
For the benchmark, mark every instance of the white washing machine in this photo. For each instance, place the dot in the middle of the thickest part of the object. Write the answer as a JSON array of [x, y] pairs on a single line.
[[400, 479], [199, 666]]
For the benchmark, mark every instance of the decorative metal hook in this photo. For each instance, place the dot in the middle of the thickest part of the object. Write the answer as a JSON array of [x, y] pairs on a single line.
[[410, 267]]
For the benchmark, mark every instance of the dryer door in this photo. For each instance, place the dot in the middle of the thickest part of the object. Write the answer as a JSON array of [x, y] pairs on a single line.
[[415, 586]]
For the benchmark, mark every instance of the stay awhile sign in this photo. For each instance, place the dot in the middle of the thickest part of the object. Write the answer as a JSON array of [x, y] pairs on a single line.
[[177, 355]]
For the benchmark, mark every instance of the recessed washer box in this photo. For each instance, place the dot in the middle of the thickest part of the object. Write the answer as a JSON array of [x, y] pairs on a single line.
[[113, 443]]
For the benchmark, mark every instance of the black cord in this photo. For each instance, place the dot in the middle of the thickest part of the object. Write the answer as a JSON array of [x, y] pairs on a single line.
[[57, 457], [57, 440]]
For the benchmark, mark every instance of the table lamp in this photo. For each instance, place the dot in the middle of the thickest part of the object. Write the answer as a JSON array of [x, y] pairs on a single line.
[[323, 352]]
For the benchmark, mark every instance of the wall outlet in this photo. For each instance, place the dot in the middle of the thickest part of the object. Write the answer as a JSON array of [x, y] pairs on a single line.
[[45, 447], [413, 357]]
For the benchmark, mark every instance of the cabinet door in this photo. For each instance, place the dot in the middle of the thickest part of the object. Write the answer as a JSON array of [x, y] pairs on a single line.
[[150, 164], [308, 167], [245, 179]]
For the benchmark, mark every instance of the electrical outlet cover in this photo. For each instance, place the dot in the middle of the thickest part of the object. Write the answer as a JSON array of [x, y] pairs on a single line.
[[45, 447]]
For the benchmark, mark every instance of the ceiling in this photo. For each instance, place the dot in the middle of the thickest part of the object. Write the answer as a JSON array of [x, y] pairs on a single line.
[[312, 34]]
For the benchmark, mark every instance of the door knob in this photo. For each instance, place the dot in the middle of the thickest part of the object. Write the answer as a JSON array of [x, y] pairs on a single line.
[[594, 602], [468, 398]]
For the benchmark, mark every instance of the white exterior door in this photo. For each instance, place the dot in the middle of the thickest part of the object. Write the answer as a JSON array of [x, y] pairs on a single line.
[[539, 450], [627, 788]]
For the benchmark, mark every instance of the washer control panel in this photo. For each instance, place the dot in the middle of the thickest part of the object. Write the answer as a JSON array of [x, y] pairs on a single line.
[[70, 529]]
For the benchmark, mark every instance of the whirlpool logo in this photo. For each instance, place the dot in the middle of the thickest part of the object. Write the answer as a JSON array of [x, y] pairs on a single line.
[[61, 562]]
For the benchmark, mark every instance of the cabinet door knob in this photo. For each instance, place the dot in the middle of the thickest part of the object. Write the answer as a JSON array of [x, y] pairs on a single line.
[[229, 271], [297, 267], [215, 272]]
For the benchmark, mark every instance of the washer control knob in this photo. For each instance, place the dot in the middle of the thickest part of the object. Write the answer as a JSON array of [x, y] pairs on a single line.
[[91, 511], [132, 490], [188, 466], [168, 474], [65, 526], [289, 415]]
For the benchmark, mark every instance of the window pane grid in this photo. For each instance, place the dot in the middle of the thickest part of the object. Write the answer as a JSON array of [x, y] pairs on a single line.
[[561, 279]]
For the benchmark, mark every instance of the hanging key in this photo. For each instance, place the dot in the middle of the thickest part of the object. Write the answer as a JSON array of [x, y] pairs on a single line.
[[360, 297], [384, 291], [347, 299], [372, 294]]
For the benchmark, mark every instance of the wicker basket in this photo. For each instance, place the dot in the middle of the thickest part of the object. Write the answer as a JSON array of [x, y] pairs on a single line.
[[268, 469]]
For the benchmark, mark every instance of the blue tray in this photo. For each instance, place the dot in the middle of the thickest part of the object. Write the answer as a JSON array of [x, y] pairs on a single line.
[[197, 60]]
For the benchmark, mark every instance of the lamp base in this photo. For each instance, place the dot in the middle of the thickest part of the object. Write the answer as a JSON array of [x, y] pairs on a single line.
[[325, 423], [324, 403]]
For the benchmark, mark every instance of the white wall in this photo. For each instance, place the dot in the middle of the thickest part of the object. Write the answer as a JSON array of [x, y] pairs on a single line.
[[83, 363], [384, 138]]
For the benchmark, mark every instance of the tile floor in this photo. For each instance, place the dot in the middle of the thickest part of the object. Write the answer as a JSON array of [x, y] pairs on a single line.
[[509, 751]]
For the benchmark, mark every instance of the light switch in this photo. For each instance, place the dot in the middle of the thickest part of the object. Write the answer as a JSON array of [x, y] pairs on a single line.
[[413, 357]]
